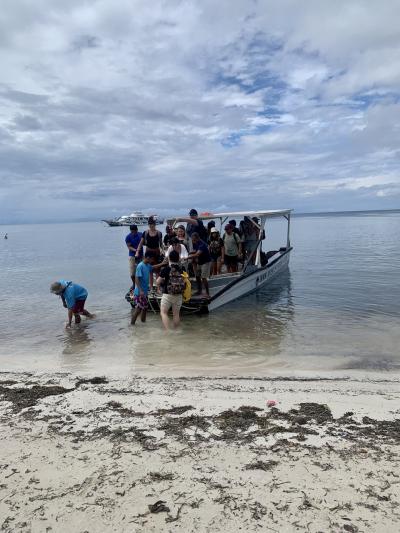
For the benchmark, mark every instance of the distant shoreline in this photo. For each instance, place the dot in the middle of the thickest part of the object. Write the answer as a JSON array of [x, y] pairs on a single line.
[[362, 212]]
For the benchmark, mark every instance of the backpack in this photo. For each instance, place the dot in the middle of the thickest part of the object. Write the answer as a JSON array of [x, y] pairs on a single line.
[[187, 293], [176, 283], [236, 238]]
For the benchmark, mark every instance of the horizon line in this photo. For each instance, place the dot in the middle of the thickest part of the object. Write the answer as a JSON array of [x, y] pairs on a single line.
[[295, 214]]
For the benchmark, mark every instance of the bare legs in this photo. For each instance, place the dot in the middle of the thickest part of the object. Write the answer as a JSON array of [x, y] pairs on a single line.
[[84, 313], [136, 312], [164, 318], [205, 283], [176, 320], [77, 316]]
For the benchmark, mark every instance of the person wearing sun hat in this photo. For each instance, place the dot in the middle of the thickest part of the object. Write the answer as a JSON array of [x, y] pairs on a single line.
[[217, 251], [73, 297]]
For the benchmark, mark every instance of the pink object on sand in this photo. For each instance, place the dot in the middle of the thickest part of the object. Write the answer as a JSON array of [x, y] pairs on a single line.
[[271, 403]]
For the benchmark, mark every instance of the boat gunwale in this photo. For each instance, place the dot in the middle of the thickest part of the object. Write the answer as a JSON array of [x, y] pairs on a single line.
[[246, 275], [203, 303]]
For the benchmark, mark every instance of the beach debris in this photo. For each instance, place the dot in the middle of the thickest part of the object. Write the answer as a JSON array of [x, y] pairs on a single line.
[[160, 476], [300, 420], [314, 411], [262, 465], [271, 403], [258, 511], [159, 507], [97, 380], [170, 518], [350, 528], [179, 410], [27, 397]]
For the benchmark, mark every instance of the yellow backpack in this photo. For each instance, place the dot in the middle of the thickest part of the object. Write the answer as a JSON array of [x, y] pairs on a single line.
[[187, 291]]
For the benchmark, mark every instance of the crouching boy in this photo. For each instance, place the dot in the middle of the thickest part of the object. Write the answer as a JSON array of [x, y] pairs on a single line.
[[173, 285], [73, 297]]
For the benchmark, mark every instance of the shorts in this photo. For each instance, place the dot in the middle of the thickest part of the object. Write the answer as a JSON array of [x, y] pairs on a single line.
[[79, 306], [203, 271], [141, 302], [133, 262], [231, 260], [171, 300]]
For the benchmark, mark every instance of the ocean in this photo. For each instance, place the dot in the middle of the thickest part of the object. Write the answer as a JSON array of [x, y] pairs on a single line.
[[336, 309]]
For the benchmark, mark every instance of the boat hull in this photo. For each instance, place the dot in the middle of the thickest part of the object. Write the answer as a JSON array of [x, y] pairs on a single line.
[[250, 282], [235, 289]]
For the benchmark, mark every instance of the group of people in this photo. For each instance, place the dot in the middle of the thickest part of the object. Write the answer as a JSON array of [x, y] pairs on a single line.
[[196, 250]]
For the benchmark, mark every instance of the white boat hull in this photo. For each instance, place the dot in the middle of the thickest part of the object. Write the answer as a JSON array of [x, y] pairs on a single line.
[[250, 283], [231, 288]]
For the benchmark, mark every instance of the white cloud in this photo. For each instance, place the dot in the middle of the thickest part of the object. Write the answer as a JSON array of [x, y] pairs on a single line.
[[169, 104]]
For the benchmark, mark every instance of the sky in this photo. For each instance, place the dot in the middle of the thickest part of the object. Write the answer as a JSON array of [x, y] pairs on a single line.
[[108, 107]]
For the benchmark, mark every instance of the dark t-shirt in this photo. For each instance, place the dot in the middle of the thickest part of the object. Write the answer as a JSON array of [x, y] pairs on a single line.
[[152, 241], [204, 256], [196, 228], [134, 240]]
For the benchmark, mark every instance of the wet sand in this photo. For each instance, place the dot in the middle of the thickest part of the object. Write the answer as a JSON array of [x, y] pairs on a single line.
[[198, 454]]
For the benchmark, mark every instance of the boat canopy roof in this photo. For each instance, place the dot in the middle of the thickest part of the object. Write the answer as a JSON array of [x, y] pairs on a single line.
[[240, 214], [270, 213]]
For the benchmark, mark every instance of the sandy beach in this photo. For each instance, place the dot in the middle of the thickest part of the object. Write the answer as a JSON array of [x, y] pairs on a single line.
[[161, 454]]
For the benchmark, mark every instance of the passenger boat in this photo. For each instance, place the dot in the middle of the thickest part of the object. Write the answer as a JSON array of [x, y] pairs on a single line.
[[138, 218], [256, 271]]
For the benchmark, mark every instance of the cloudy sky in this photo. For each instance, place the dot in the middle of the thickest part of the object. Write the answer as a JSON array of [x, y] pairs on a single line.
[[109, 106]]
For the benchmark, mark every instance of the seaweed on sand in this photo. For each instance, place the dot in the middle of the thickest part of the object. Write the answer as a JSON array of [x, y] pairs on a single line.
[[28, 396]]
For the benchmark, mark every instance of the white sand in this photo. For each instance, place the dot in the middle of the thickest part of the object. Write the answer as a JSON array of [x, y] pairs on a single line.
[[76, 462]]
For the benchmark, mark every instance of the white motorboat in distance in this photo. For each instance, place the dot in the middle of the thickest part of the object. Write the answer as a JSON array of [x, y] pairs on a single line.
[[257, 270], [138, 218]]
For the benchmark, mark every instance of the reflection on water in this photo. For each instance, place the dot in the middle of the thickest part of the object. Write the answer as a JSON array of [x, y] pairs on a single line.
[[76, 340], [338, 307], [243, 336]]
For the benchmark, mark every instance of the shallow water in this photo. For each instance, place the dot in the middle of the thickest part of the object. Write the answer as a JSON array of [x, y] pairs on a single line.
[[336, 308]]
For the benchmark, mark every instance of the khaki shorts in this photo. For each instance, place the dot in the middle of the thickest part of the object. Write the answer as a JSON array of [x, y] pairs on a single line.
[[203, 271], [171, 300], [132, 265]]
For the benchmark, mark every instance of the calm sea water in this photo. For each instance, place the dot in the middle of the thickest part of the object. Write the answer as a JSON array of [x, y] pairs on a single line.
[[337, 308]]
